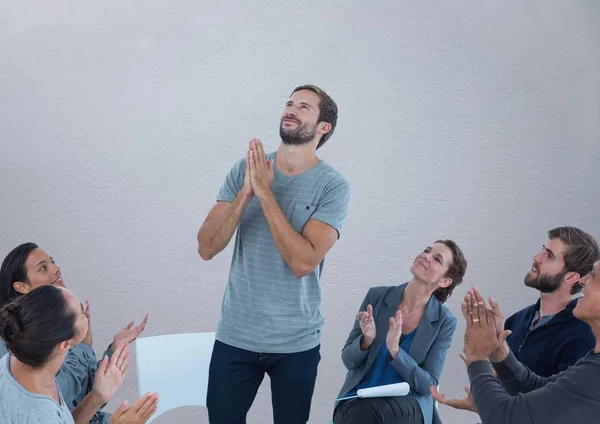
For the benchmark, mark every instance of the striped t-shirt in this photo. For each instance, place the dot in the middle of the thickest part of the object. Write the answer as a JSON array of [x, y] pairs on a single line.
[[266, 308]]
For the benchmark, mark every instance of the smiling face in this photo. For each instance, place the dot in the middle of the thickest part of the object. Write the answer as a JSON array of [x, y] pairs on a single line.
[[588, 307], [41, 271], [81, 321], [300, 119], [431, 265], [548, 269]]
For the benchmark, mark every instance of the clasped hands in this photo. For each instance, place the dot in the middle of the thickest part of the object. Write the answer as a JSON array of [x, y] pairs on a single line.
[[259, 171], [369, 331], [485, 339]]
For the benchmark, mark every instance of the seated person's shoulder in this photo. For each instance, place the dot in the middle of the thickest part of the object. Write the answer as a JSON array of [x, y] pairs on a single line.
[[447, 318], [518, 316], [446, 312], [377, 293], [578, 328]]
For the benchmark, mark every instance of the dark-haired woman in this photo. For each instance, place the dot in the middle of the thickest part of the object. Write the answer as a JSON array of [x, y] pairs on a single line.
[[38, 330], [402, 334], [26, 268]]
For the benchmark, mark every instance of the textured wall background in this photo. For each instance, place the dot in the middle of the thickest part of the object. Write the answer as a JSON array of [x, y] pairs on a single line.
[[119, 120]]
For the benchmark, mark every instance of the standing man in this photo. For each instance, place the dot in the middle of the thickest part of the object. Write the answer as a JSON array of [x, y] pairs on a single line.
[[288, 208]]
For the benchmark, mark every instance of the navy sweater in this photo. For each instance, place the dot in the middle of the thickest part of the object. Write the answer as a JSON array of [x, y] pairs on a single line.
[[551, 347]]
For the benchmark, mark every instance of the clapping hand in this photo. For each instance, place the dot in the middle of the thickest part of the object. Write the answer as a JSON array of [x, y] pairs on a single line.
[[367, 326], [392, 339], [129, 333], [88, 339], [138, 413], [465, 404], [475, 310], [111, 373]]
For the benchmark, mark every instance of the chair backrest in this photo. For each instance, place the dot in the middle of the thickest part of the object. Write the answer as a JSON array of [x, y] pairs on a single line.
[[176, 367]]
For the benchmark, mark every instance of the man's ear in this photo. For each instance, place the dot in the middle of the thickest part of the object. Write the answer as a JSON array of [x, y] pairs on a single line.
[[571, 278], [324, 127]]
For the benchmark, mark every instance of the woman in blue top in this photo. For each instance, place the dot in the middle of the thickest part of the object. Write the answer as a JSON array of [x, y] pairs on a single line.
[[402, 334], [39, 329], [27, 267]]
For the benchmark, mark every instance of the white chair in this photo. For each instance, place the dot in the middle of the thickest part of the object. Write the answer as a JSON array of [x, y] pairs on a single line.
[[176, 367]]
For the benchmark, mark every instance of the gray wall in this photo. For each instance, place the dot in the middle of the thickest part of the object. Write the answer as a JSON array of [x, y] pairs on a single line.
[[119, 120]]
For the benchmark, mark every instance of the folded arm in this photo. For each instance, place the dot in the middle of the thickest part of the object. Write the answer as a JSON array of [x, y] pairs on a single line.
[[301, 252]]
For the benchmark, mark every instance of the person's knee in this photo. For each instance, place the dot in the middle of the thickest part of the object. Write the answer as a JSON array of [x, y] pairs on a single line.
[[356, 412]]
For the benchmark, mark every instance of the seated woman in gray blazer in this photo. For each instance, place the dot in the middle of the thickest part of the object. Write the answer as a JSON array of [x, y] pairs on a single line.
[[402, 334]]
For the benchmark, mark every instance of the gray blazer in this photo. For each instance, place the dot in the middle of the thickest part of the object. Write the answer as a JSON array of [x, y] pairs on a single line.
[[422, 366]]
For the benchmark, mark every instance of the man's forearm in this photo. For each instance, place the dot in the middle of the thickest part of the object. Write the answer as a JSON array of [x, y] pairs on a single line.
[[517, 378], [490, 398], [295, 250], [215, 234]]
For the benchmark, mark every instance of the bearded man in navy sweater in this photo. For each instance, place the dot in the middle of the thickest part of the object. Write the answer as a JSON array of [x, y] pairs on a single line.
[[546, 337]]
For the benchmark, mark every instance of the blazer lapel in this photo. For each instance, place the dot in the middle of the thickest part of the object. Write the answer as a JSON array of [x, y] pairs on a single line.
[[425, 331]]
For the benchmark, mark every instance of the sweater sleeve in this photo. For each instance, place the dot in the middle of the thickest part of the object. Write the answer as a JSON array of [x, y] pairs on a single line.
[[565, 397], [517, 378]]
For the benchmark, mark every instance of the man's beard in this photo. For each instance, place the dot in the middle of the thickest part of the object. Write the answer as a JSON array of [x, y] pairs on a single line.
[[303, 134], [545, 283]]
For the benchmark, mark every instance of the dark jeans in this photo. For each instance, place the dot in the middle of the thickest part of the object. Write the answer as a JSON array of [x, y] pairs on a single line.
[[235, 375], [384, 410]]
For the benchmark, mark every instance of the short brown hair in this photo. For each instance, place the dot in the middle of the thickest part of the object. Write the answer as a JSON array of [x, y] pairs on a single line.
[[582, 251], [456, 270], [328, 110]]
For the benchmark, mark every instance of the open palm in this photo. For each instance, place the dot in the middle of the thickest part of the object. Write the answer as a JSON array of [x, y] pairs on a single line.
[[111, 373]]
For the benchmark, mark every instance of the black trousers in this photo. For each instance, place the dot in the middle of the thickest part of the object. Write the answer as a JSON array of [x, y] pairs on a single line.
[[235, 375], [384, 410]]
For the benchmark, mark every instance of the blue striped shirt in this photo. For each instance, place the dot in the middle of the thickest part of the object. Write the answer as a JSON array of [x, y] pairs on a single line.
[[265, 307]]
